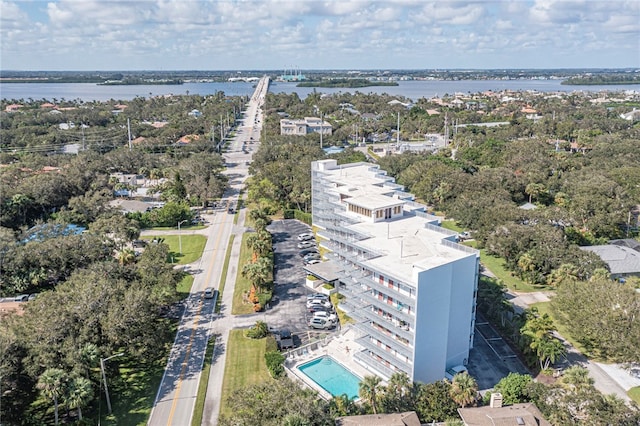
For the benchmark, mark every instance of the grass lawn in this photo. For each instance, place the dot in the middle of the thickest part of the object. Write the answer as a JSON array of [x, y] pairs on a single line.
[[198, 409], [451, 225], [225, 270], [496, 266], [634, 393], [184, 286], [245, 364], [192, 247], [134, 391], [243, 285], [171, 228]]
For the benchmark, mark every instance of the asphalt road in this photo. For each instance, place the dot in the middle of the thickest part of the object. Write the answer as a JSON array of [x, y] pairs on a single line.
[[176, 395]]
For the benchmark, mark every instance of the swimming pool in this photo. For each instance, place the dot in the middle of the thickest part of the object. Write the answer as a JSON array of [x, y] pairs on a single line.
[[331, 376]]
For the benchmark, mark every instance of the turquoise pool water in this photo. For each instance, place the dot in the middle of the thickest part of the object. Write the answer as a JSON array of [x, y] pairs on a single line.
[[331, 376]]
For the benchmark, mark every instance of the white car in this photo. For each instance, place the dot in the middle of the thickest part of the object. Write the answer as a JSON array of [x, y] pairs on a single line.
[[313, 261], [306, 236], [318, 302], [326, 315], [317, 296], [306, 244]]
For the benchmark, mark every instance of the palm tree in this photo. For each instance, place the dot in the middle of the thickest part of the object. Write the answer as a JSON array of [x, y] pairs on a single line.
[[79, 393], [342, 405], [89, 357], [126, 256], [52, 383], [576, 377], [399, 394], [464, 389], [549, 351], [368, 391]]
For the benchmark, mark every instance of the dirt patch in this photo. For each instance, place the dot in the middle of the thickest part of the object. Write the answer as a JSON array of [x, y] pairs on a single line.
[[7, 308]]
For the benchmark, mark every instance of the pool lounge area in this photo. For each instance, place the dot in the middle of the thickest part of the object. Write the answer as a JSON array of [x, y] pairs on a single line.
[[331, 376], [332, 356]]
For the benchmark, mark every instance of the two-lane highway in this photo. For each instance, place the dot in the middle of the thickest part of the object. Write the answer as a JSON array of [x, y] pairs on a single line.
[[176, 395]]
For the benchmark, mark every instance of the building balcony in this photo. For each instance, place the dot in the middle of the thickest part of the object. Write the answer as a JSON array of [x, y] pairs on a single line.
[[366, 343], [391, 309], [386, 339], [402, 331], [366, 359], [395, 294]]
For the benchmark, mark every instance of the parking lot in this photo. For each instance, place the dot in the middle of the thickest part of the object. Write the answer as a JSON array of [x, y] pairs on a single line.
[[288, 308]]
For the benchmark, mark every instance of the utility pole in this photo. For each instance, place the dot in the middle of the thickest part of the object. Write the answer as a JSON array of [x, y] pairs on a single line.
[[129, 132], [321, 129]]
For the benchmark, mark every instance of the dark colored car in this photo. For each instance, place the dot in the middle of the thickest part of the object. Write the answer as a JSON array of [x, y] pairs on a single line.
[[308, 251], [285, 340], [318, 308]]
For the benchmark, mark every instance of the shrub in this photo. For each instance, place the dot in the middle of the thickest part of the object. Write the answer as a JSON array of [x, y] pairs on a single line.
[[258, 331], [274, 360]]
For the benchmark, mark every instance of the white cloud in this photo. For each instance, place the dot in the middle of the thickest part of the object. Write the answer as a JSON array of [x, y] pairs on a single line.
[[251, 34]]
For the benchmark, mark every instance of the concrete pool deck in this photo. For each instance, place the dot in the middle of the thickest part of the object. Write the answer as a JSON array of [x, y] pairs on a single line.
[[340, 347]]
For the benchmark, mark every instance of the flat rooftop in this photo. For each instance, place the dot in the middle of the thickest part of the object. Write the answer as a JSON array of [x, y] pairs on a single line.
[[406, 246]]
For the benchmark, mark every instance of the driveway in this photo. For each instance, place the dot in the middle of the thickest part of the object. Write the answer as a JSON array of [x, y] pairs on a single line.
[[288, 307]]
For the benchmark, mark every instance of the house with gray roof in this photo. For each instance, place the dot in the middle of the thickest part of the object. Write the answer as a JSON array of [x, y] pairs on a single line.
[[623, 261]]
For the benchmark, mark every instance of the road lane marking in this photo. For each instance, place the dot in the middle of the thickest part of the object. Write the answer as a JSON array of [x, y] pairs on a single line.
[[185, 362]]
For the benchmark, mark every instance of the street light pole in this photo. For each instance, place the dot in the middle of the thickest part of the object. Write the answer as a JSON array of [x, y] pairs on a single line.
[[179, 235], [104, 378]]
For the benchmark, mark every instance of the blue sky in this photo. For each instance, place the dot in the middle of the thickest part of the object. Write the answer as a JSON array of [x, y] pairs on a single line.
[[310, 34]]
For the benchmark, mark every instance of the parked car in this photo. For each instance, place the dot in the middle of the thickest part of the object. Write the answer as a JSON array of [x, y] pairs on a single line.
[[208, 293], [333, 318], [21, 298], [306, 244], [318, 308], [308, 251], [318, 323], [311, 256], [305, 236], [312, 261], [139, 243], [319, 302], [317, 296], [285, 339]]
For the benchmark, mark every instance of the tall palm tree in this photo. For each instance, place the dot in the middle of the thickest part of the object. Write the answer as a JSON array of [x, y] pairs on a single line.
[[399, 394], [89, 357], [368, 391], [79, 394], [52, 383], [464, 389]]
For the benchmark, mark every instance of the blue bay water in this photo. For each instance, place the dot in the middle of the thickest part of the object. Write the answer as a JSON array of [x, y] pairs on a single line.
[[413, 90]]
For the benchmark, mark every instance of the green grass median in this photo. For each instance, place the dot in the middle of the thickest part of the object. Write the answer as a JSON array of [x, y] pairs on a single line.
[[192, 247]]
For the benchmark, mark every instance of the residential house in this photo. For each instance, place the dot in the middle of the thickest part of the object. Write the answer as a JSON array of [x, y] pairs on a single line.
[[410, 418], [622, 260], [525, 414]]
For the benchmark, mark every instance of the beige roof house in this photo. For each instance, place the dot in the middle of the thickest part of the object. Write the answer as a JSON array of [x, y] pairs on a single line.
[[409, 418], [495, 414]]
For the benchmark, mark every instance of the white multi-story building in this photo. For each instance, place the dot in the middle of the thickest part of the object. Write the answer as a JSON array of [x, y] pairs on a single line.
[[408, 285], [305, 126]]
